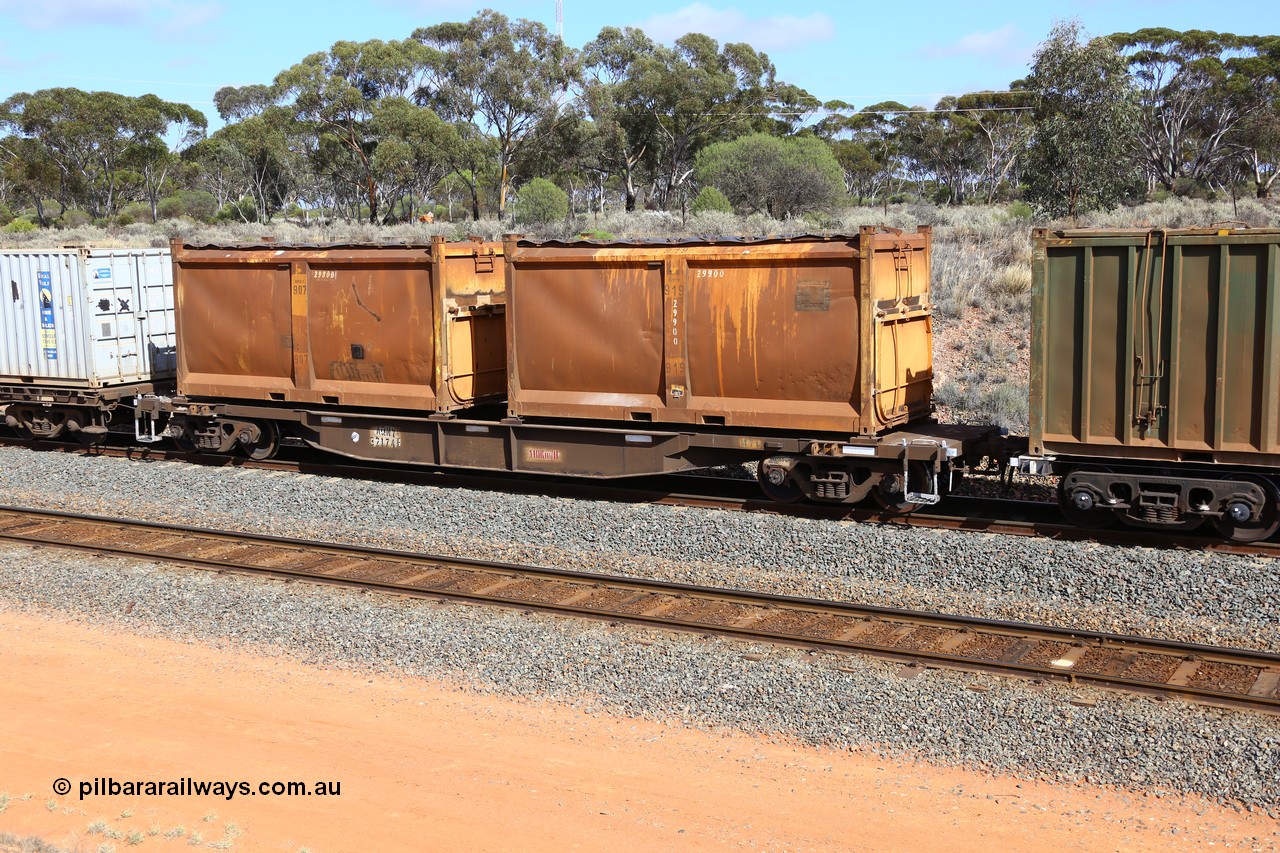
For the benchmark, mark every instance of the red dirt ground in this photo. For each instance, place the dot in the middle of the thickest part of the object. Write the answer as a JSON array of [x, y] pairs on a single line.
[[425, 767]]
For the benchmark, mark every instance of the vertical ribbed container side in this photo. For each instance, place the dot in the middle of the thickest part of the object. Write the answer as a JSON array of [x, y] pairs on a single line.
[[1157, 345], [89, 318]]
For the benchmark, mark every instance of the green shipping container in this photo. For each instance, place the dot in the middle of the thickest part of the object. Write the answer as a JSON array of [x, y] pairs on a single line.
[[1156, 346]]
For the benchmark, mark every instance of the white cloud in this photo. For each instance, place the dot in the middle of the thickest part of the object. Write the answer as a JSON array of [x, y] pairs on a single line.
[[51, 14], [1005, 42], [166, 16], [775, 32]]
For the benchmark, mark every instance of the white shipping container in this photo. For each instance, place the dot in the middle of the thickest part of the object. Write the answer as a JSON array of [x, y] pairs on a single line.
[[86, 318]]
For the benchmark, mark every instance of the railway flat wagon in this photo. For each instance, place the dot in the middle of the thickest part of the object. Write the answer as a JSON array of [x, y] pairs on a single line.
[[822, 334], [412, 328], [809, 356], [82, 331], [1155, 382]]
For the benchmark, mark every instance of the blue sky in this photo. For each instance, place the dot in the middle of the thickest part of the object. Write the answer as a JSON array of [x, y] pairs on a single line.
[[914, 52]]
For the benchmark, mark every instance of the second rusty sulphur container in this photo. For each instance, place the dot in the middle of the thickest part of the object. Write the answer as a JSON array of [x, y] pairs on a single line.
[[413, 327], [830, 334]]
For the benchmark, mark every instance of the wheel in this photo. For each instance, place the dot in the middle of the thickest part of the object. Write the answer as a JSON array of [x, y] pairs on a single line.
[[268, 443], [890, 493], [1090, 517], [1268, 520], [784, 492]]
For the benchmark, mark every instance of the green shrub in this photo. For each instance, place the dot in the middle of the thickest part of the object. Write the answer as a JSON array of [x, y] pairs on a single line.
[[171, 208], [200, 205], [138, 211], [20, 226], [1020, 210], [595, 234], [541, 202], [780, 177], [711, 200], [193, 204], [1191, 188], [6, 215], [243, 210], [74, 219]]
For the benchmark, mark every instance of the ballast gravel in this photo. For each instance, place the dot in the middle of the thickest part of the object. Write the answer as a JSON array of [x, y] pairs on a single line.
[[837, 701], [1178, 595]]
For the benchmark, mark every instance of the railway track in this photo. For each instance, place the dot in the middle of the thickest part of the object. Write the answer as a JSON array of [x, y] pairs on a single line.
[[1200, 673], [972, 514]]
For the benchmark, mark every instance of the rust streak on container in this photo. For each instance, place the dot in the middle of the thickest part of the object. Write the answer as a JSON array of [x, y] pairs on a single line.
[[396, 326], [758, 334]]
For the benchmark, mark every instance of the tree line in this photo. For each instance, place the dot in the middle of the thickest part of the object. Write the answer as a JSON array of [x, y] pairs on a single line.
[[450, 121]]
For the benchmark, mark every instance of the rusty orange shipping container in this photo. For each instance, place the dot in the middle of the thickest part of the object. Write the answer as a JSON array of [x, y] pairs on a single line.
[[829, 334], [416, 327]]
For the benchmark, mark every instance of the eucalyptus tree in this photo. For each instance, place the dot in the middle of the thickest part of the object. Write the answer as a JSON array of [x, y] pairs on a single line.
[[499, 80], [866, 145], [697, 93], [1256, 138], [236, 103], [1002, 123], [627, 138], [343, 94], [105, 146], [150, 154], [1190, 100], [31, 176], [253, 157], [572, 152], [942, 145], [409, 160], [1086, 113]]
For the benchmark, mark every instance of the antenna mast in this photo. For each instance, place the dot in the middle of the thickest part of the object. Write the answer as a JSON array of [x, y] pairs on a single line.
[[560, 20]]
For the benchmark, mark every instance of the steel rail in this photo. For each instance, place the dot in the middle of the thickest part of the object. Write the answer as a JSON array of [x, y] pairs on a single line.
[[1202, 673]]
